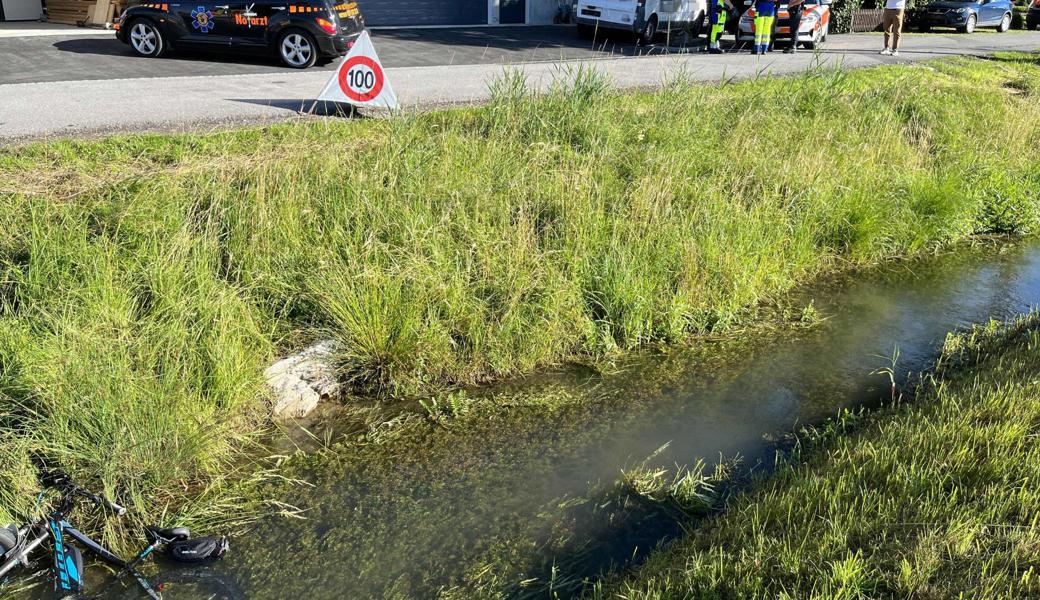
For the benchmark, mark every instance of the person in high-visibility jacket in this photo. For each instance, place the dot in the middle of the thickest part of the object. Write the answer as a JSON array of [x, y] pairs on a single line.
[[765, 17], [718, 13]]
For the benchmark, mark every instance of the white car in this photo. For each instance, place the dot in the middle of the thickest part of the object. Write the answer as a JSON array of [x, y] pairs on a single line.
[[812, 31], [645, 18]]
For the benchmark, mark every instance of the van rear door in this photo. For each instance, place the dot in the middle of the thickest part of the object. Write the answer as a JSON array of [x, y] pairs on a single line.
[[616, 12]]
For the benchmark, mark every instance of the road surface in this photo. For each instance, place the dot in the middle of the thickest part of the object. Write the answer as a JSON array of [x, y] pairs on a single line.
[[82, 85]]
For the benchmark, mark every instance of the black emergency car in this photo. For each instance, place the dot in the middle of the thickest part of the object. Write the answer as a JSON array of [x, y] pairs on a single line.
[[299, 32]]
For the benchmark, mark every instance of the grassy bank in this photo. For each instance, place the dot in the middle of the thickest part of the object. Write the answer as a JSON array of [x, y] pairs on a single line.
[[145, 281], [934, 498]]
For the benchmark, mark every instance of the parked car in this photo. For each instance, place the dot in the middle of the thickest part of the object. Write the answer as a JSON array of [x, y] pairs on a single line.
[[965, 15], [812, 31], [299, 32], [645, 18], [1033, 16]]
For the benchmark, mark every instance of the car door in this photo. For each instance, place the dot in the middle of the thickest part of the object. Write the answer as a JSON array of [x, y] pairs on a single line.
[[207, 22], [251, 20], [1001, 8], [990, 12]]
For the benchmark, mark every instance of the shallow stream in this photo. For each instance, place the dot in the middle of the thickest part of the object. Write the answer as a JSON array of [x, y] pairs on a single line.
[[524, 499]]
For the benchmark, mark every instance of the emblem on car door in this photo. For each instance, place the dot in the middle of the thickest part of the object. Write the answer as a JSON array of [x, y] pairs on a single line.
[[202, 19]]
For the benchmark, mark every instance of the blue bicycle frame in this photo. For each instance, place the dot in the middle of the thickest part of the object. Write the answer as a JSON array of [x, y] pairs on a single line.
[[68, 562]]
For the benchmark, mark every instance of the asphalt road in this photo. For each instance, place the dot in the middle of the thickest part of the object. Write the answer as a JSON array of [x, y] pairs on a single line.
[[86, 93], [79, 57]]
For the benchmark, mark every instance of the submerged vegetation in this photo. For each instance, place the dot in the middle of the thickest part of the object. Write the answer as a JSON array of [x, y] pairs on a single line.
[[145, 281], [932, 498]]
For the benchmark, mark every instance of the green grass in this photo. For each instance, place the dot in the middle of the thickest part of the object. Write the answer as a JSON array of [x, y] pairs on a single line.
[[931, 498], [145, 281]]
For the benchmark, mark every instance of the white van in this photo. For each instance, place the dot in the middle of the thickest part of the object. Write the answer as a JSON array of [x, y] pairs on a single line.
[[645, 18]]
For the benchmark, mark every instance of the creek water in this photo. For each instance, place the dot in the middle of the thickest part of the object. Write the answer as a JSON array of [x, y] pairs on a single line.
[[505, 498], [523, 498]]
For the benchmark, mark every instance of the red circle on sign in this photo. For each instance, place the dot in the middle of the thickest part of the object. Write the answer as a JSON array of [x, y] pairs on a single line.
[[371, 94]]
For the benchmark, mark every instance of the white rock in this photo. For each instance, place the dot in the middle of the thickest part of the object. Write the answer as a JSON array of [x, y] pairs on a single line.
[[300, 381]]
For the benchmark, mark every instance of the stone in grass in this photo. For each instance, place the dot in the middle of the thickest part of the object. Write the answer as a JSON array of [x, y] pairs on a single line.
[[300, 381]]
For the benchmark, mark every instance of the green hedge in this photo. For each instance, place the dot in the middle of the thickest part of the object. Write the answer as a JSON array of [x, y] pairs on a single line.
[[1018, 16], [841, 15]]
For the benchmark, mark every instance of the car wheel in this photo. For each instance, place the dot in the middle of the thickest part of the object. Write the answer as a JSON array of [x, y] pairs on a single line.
[[146, 39], [969, 26], [297, 49], [646, 37], [1005, 23], [818, 38]]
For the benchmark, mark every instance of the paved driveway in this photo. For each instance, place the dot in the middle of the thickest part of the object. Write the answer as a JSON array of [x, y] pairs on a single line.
[[81, 57]]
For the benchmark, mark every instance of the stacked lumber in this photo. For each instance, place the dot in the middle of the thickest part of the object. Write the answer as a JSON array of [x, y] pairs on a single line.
[[69, 12], [105, 11], [84, 12]]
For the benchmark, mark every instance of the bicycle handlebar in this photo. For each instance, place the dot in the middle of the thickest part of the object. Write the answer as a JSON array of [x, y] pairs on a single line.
[[101, 501], [58, 479]]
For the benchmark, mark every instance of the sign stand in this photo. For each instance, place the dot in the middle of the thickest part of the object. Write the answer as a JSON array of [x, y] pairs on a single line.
[[360, 79]]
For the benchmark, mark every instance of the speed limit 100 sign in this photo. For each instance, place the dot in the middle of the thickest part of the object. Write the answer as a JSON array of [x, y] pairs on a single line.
[[360, 78]]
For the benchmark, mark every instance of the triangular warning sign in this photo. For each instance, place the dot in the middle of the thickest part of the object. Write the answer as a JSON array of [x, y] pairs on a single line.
[[360, 79]]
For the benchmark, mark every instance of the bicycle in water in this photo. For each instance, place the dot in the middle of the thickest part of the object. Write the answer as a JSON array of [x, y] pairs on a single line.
[[17, 545]]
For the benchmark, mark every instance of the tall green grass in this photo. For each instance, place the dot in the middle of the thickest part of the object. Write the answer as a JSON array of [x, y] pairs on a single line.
[[145, 281], [934, 498]]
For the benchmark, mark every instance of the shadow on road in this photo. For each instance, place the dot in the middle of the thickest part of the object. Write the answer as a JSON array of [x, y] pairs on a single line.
[[114, 48], [305, 106], [99, 46]]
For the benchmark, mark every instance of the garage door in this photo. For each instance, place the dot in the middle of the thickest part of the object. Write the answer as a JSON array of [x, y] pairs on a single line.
[[424, 12]]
